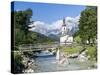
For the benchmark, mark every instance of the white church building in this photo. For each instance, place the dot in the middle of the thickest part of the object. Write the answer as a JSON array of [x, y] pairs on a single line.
[[66, 37]]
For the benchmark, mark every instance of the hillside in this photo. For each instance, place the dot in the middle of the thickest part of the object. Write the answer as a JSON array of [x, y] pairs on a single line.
[[40, 38]]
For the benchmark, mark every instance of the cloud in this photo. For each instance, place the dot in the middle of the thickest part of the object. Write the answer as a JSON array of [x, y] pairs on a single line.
[[39, 27], [72, 21], [55, 27]]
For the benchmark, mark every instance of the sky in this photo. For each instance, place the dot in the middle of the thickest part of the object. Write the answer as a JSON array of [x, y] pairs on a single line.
[[48, 18], [49, 13]]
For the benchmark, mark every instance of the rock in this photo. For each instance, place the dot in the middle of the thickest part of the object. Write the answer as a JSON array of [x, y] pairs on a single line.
[[82, 58], [62, 61], [29, 70]]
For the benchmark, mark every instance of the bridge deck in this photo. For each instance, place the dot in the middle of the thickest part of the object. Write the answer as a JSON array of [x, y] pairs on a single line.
[[37, 47]]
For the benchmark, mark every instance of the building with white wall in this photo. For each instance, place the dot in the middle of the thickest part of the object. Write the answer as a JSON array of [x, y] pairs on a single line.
[[66, 37]]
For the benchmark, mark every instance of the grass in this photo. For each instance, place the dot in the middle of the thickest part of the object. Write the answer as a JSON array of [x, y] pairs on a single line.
[[71, 50], [92, 52]]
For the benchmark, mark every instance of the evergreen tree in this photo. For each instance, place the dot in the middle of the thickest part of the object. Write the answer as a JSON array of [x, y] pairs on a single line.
[[88, 24]]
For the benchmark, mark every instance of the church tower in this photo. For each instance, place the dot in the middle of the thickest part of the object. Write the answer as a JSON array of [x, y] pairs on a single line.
[[64, 29]]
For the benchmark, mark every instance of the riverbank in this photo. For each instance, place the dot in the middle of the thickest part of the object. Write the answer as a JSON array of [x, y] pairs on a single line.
[[23, 63], [91, 51]]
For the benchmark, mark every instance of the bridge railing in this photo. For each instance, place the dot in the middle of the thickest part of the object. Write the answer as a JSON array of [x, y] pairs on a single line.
[[37, 47]]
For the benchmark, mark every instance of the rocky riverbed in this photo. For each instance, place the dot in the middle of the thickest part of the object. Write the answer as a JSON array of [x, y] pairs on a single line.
[[50, 64]]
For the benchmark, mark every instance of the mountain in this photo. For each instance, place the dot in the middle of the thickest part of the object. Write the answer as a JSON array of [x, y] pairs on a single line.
[[54, 37], [53, 30], [41, 38]]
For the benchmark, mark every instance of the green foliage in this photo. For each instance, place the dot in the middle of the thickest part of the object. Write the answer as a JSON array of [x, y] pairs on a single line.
[[17, 58], [39, 38], [21, 21], [88, 24], [92, 52], [77, 39], [18, 65]]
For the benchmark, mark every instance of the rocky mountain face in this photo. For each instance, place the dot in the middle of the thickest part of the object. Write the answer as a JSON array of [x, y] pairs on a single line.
[[53, 30]]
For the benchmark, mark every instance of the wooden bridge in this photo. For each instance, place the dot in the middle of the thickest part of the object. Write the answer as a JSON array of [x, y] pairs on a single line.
[[39, 47]]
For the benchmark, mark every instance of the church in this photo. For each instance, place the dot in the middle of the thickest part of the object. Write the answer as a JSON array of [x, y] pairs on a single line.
[[66, 37]]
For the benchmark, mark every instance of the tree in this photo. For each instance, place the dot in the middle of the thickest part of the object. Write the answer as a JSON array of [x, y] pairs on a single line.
[[88, 25], [21, 21]]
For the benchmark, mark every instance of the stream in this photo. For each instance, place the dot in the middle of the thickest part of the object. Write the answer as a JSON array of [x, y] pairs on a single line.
[[48, 63]]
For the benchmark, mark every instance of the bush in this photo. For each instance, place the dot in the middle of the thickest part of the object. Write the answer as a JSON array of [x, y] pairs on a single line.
[[18, 65]]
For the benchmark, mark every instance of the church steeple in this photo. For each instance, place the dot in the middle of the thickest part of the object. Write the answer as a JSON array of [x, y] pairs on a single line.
[[63, 27], [65, 37], [64, 22]]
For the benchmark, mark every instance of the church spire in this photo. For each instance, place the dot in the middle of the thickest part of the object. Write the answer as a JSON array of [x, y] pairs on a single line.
[[64, 29], [64, 22]]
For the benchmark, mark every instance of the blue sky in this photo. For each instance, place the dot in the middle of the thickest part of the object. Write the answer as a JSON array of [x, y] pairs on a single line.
[[49, 13]]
